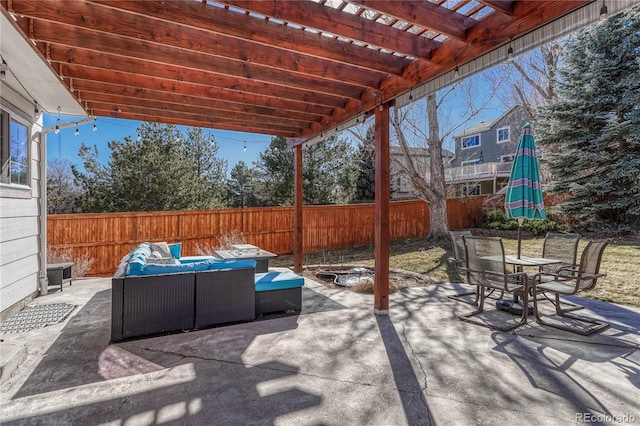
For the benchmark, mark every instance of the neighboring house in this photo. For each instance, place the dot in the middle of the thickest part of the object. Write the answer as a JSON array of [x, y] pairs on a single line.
[[484, 154], [401, 187], [23, 81]]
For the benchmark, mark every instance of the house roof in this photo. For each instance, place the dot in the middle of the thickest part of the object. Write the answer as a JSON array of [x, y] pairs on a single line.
[[485, 126], [288, 68]]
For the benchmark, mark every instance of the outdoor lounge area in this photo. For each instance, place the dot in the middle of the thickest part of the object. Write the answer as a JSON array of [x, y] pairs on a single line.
[[334, 363]]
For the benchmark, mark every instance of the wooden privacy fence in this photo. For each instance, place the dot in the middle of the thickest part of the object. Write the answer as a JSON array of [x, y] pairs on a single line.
[[107, 237]]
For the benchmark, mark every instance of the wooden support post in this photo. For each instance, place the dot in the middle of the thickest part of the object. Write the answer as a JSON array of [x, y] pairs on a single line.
[[297, 212], [381, 279]]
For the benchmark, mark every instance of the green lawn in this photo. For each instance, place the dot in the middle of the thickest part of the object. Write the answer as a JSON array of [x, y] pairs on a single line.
[[621, 263]]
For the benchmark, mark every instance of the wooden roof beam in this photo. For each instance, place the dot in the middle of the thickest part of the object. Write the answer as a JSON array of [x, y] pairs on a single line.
[[196, 121], [157, 109], [424, 14], [116, 77], [209, 111], [340, 23], [333, 94], [188, 24], [502, 6], [90, 90], [209, 52]]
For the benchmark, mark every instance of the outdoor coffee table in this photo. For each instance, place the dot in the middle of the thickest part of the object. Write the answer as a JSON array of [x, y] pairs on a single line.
[[247, 251], [59, 274]]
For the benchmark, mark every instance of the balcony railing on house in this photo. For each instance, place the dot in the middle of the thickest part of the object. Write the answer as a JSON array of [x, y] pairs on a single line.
[[475, 172]]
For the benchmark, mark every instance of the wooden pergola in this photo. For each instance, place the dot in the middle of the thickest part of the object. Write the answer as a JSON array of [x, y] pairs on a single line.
[[300, 69]]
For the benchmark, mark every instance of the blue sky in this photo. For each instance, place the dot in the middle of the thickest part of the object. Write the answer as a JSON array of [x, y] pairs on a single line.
[[66, 144]]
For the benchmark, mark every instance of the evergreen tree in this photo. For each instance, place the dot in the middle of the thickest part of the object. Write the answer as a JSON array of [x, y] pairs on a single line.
[[327, 172], [159, 170], [275, 169], [365, 158], [205, 175], [591, 130], [241, 186]]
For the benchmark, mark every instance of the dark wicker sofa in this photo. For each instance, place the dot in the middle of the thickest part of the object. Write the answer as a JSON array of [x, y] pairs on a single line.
[[147, 305]]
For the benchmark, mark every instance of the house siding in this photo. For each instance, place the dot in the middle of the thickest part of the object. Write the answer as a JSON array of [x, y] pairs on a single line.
[[490, 148], [19, 221]]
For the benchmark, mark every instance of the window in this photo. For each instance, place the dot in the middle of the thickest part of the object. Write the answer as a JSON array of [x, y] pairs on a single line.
[[470, 141], [503, 134], [15, 150]]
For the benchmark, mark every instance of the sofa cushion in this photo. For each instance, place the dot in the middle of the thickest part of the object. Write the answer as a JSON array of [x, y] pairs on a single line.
[[159, 269], [138, 258], [162, 260], [231, 264], [160, 249], [277, 281], [175, 249]]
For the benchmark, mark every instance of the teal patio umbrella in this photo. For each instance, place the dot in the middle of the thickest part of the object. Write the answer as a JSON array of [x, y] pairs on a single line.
[[524, 191]]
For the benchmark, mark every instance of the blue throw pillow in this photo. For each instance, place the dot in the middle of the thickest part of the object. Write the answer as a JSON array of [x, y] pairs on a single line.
[[231, 264], [175, 249], [161, 269]]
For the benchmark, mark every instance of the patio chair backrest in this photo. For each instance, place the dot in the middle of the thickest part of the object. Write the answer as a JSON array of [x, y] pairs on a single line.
[[458, 247], [485, 254], [590, 263], [563, 247]]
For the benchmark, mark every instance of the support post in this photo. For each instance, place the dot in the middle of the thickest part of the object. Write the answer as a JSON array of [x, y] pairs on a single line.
[[381, 279], [297, 212]]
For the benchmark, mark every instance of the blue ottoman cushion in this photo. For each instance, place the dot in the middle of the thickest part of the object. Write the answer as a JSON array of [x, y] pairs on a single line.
[[277, 281]]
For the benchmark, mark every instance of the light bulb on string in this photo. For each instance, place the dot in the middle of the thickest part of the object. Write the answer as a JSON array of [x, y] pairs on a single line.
[[244, 148], [95, 126], [77, 132], [57, 130]]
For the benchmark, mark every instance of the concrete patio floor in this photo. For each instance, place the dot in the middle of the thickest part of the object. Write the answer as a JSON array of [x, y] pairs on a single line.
[[334, 364]]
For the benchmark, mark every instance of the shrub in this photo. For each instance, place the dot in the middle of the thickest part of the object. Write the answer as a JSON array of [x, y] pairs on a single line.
[[81, 265], [497, 219]]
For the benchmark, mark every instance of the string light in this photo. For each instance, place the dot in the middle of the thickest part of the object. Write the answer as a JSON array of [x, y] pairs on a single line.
[[77, 132], [244, 148], [36, 111], [139, 137], [95, 126], [603, 11], [510, 51], [57, 129], [410, 96], [456, 72]]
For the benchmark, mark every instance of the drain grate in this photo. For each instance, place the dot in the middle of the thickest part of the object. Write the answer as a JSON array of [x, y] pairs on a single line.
[[38, 316]]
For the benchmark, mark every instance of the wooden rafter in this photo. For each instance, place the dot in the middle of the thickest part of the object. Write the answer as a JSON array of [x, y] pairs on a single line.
[[288, 68]]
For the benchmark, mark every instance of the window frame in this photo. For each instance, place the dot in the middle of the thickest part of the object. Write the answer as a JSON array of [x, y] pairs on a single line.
[[508, 129], [477, 135], [6, 120]]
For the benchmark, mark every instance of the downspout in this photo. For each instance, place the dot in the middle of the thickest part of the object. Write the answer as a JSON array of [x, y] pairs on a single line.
[[42, 205], [42, 215]]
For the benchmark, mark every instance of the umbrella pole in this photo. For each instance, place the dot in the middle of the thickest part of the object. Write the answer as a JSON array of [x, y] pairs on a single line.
[[520, 221]]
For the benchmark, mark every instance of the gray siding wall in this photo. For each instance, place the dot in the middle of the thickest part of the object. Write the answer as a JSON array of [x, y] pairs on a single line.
[[19, 220], [491, 150]]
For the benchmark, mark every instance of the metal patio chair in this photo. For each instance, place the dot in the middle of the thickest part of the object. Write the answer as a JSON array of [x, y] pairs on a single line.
[[572, 280], [563, 247], [459, 260], [486, 268]]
